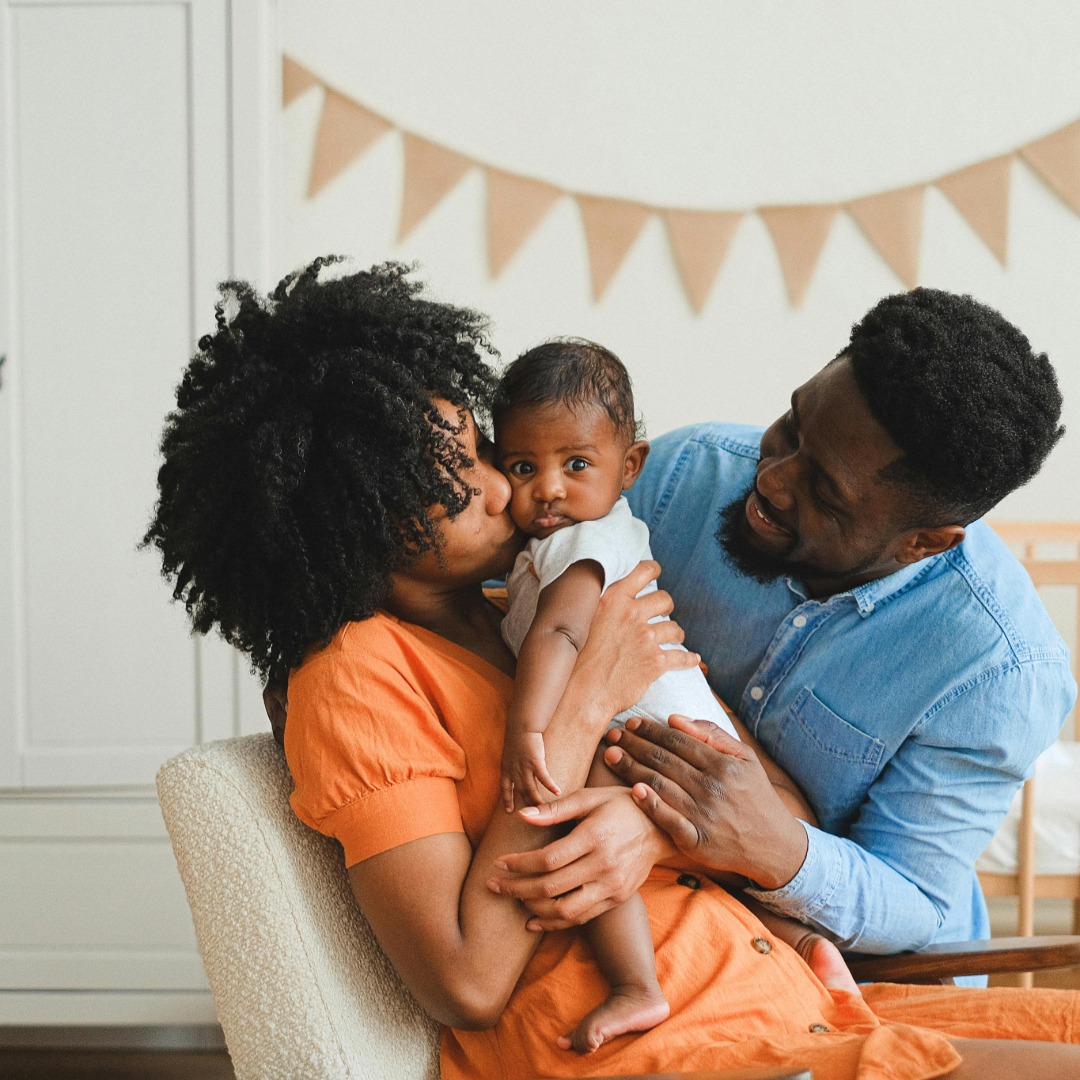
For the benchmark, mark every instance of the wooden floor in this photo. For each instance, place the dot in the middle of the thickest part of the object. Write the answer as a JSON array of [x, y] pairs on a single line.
[[18, 1064]]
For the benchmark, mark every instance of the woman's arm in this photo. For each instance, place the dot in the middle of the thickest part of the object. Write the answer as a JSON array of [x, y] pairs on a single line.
[[610, 852], [460, 947]]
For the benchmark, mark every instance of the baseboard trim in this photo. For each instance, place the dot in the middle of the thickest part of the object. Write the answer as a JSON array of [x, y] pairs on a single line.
[[106, 1008]]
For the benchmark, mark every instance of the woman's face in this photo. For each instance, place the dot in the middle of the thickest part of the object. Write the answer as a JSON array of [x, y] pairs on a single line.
[[482, 541]]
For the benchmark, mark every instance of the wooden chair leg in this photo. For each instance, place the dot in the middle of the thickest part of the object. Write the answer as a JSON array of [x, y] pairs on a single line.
[[1025, 872]]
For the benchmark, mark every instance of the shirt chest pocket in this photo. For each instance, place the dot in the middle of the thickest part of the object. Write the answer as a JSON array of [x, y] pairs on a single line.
[[831, 760]]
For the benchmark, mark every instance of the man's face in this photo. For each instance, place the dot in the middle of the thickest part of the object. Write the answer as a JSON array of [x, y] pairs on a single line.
[[819, 509]]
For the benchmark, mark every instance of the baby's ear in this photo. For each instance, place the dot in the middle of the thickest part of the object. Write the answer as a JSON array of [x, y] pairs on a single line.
[[634, 462]]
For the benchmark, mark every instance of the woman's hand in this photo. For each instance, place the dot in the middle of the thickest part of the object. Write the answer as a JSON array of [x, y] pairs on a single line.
[[711, 795], [622, 656], [594, 868]]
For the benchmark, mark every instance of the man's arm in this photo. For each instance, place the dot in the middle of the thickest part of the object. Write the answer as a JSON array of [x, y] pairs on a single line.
[[908, 858]]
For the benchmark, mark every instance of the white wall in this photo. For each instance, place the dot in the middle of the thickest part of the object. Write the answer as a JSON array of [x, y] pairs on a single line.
[[713, 105]]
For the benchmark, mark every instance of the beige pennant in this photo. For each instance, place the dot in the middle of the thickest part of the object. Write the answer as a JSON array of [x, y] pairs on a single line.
[[294, 80], [892, 222], [515, 207], [430, 173], [799, 234], [611, 227], [700, 240], [981, 194], [1057, 160], [346, 130]]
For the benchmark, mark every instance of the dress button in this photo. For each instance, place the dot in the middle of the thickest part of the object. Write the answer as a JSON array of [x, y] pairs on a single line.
[[763, 945], [799, 621], [817, 1029], [757, 693], [688, 881]]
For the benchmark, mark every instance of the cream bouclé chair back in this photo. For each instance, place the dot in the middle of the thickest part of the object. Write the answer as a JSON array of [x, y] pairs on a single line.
[[301, 986]]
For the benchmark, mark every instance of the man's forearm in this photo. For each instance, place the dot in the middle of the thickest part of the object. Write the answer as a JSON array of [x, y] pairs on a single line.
[[854, 898]]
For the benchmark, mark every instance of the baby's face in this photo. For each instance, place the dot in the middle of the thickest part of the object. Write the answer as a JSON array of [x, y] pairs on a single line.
[[564, 466]]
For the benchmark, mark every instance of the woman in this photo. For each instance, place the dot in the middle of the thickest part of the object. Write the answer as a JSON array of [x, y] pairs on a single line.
[[328, 503]]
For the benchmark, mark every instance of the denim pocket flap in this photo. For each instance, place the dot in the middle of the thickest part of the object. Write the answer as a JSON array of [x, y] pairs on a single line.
[[833, 735]]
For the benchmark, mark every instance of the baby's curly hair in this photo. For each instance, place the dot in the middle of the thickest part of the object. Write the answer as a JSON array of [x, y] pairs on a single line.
[[973, 408], [305, 453]]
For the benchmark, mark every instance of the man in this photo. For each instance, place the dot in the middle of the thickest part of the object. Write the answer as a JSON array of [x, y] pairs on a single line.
[[872, 633]]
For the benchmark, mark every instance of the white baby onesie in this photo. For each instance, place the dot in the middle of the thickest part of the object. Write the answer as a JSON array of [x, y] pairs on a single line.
[[618, 542]]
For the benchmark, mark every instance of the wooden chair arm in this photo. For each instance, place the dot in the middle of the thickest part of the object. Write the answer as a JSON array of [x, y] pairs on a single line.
[[936, 963]]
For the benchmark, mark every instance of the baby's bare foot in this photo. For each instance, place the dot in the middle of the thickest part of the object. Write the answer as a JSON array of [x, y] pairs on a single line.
[[824, 960], [630, 1008]]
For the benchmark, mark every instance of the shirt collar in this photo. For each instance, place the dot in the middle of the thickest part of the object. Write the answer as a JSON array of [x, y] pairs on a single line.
[[868, 596], [871, 594]]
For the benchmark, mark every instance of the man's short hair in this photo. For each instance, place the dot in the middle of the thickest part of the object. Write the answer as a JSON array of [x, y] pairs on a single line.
[[960, 391], [573, 372]]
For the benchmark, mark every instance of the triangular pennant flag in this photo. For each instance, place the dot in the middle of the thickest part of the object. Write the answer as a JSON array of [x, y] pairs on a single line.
[[892, 222], [515, 206], [611, 227], [799, 234], [294, 80], [430, 172], [981, 194], [1057, 160], [346, 130], [700, 240]]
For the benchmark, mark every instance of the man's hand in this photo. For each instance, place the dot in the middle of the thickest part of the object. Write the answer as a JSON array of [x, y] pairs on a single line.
[[710, 794], [592, 869]]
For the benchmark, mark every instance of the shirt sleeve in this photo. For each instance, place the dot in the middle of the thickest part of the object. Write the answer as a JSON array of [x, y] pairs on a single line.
[[372, 765], [909, 857]]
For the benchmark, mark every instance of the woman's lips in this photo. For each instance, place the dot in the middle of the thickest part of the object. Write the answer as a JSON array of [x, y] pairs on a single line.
[[760, 521]]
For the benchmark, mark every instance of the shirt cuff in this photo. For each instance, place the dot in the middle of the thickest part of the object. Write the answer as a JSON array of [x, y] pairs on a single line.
[[811, 889], [394, 816]]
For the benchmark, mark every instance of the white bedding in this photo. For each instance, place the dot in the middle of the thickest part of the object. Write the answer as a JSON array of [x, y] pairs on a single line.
[[1057, 818]]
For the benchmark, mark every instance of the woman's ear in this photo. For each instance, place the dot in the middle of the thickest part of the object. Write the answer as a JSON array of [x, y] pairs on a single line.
[[634, 462]]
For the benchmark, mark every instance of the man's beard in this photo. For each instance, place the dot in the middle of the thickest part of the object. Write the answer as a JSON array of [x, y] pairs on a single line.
[[733, 536]]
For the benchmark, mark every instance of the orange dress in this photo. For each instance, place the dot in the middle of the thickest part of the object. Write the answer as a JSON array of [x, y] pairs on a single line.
[[396, 733]]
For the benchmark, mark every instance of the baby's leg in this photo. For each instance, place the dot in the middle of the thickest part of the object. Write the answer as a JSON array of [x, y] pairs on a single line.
[[821, 955], [622, 943]]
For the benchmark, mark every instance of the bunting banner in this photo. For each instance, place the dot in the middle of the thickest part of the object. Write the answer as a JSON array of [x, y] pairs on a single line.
[[516, 205]]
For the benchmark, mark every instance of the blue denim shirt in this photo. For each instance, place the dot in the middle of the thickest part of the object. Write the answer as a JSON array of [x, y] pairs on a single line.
[[909, 710]]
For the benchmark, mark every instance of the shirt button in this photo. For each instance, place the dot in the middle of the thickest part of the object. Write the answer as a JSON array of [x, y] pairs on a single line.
[[688, 881], [799, 621], [757, 693], [762, 945], [817, 1029]]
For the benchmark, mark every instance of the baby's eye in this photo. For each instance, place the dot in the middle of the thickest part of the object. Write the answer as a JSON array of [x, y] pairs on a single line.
[[521, 468], [577, 464]]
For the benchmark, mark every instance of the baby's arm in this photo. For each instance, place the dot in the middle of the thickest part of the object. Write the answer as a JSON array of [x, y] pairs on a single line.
[[564, 613]]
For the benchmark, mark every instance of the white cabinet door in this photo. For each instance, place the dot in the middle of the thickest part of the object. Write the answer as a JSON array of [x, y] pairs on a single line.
[[117, 224]]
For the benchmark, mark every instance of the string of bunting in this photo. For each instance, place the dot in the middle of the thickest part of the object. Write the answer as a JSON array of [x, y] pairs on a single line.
[[516, 205]]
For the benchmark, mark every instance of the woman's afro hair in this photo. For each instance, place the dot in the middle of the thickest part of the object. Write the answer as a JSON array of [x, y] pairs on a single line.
[[957, 386], [305, 453]]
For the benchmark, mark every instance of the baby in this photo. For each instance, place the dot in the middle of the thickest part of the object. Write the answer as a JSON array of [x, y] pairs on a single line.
[[567, 439]]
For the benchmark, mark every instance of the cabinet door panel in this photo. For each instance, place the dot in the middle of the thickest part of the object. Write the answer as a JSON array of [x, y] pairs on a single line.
[[119, 192]]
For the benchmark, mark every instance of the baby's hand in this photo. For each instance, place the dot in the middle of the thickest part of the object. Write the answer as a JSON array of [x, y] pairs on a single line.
[[524, 769]]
